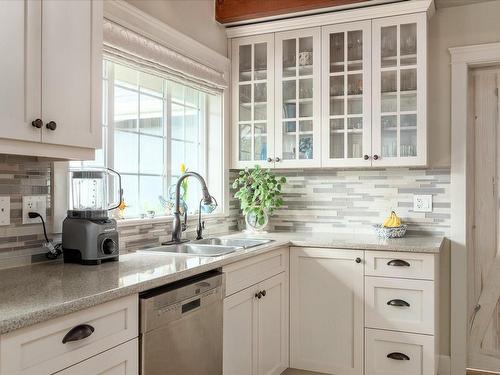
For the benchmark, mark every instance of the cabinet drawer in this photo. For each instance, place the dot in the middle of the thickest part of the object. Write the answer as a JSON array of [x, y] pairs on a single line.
[[394, 264], [251, 271], [39, 349], [396, 353], [121, 360], [399, 304]]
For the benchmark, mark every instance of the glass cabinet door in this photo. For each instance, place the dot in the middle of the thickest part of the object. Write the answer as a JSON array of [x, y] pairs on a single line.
[[298, 98], [399, 107], [346, 129], [253, 80]]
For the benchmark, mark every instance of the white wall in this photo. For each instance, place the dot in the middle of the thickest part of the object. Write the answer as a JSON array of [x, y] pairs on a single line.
[[452, 27], [195, 18]]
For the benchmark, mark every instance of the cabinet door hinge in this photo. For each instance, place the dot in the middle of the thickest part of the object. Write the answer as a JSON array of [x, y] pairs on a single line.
[[496, 91]]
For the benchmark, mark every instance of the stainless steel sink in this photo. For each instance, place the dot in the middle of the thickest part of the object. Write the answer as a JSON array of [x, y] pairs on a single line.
[[209, 247], [194, 249], [240, 242]]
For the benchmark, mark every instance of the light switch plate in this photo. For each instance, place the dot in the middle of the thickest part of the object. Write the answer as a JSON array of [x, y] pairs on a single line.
[[34, 203], [422, 203], [4, 210]]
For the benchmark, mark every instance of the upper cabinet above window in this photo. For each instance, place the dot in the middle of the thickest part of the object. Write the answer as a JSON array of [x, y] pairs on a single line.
[[50, 74], [346, 93]]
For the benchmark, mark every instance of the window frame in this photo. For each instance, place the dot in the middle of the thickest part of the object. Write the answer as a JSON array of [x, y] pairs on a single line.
[[168, 176]]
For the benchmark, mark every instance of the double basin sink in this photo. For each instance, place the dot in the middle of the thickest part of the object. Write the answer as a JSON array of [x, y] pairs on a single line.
[[209, 247]]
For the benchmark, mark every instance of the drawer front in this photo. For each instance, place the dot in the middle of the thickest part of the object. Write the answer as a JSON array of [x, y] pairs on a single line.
[[405, 265], [251, 271], [121, 360], [39, 349], [399, 304], [396, 353]]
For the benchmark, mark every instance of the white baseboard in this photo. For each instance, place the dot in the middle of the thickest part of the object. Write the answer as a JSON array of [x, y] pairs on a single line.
[[444, 365]]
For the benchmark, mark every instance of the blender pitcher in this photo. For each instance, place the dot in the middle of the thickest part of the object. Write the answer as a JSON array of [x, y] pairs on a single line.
[[90, 192]]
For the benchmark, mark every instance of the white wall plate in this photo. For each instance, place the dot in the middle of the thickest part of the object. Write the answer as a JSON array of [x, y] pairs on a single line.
[[34, 203], [4, 210]]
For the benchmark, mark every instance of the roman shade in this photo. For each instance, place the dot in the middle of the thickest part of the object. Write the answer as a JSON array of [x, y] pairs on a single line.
[[126, 46]]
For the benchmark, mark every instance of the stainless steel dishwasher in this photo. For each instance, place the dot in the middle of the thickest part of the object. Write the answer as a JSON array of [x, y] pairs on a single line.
[[181, 327]]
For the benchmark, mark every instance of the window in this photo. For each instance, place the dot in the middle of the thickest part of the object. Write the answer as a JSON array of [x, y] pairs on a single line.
[[150, 127]]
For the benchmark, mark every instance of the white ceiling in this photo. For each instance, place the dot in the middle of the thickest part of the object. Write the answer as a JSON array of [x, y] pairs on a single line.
[[454, 3]]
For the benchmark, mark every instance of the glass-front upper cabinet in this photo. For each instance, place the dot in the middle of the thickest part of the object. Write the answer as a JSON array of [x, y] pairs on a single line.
[[298, 102], [253, 104], [346, 105], [399, 91]]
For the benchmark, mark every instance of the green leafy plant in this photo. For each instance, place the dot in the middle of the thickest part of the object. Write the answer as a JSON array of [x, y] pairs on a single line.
[[259, 192]]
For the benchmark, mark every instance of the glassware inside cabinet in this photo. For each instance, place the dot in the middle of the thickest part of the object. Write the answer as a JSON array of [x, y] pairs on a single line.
[[289, 58], [389, 50], [408, 44], [260, 61], [305, 56]]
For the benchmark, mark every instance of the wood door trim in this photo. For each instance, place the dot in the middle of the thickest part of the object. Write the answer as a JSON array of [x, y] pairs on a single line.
[[227, 11]]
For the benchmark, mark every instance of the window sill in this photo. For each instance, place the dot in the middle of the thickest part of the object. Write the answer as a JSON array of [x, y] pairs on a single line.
[[123, 223]]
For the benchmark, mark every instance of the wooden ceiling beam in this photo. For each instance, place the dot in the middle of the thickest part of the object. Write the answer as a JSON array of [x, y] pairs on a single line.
[[228, 11]]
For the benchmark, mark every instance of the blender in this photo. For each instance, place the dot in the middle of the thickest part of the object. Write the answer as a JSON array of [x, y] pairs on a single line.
[[89, 236]]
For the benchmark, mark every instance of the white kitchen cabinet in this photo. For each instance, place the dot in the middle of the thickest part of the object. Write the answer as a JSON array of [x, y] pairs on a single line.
[[297, 95], [121, 360], [50, 75], [346, 96], [326, 310], [256, 330], [56, 344], [253, 101], [399, 91], [20, 69], [350, 89]]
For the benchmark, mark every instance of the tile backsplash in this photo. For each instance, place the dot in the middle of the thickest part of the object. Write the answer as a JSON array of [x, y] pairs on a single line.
[[351, 201], [19, 176], [316, 200]]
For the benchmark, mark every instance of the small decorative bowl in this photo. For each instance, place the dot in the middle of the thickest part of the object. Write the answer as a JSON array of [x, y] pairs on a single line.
[[396, 232]]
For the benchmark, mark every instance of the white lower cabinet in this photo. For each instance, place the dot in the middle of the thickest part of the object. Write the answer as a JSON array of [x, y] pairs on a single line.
[[256, 322], [121, 360], [326, 310], [58, 344], [398, 353]]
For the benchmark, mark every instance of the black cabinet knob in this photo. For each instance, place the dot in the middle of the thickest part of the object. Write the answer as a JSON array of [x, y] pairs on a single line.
[[258, 295], [78, 333], [358, 260], [263, 292], [375, 157], [366, 157], [278, 159], [269, 160], [38, 123], [51, 125], [398, 356]]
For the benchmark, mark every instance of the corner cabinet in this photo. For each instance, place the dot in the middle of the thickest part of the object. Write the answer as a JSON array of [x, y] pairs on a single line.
[[50, 103], [340, 94]]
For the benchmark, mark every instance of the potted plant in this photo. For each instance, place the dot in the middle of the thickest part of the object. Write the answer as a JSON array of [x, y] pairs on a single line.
[[259, 192]]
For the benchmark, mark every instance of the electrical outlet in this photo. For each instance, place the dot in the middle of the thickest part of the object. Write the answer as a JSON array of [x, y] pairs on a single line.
[[4, 210], [422, 203], [34, 203]]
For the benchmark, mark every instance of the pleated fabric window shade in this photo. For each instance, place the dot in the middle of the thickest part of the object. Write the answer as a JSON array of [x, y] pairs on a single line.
[[125, 46]]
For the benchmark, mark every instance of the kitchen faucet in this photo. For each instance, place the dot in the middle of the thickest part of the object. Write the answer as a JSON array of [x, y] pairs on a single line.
[[207, 200]]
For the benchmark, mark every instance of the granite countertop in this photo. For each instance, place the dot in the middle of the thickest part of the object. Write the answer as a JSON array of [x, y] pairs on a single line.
[[40, 292]]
